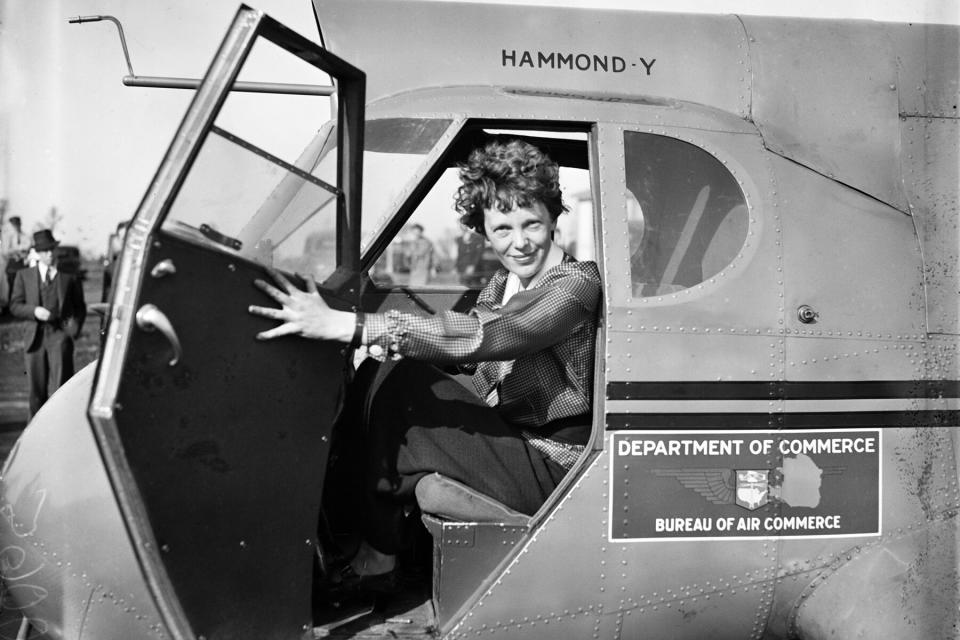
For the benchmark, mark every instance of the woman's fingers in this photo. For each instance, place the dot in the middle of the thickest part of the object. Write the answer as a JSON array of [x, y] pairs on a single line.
[[280, 279], [266, 312], [311, 285], [302, 311], [288, 328], [272, 291]]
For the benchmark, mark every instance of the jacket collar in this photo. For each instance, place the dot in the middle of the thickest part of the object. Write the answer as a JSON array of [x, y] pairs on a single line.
[[492, 294]]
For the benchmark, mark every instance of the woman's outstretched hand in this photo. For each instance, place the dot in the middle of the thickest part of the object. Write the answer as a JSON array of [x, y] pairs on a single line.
[[303, 313]]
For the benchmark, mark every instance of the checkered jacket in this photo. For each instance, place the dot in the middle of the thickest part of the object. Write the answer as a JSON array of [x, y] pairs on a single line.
[[532, 358]]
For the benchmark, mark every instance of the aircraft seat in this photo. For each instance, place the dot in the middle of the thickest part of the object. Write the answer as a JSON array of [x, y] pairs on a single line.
[[472, 533], [446, 498]]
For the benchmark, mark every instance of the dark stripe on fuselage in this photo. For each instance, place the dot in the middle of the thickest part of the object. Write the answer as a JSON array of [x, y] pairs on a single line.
[[838, 419], [783, 390]]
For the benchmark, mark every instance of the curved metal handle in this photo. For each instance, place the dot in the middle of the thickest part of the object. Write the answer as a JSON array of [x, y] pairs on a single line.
[[163, 269], [150, 318]]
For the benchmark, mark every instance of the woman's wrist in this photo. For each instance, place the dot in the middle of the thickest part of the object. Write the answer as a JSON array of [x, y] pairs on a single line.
[[339, 326]]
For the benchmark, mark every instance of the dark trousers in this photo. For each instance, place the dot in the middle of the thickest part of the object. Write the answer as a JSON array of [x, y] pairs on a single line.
[[49, 366], [416, 420]]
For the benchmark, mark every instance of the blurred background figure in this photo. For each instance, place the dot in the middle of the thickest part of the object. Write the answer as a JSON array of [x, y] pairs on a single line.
[[420, 256], [14, 246], [54, 301], [469, 252]]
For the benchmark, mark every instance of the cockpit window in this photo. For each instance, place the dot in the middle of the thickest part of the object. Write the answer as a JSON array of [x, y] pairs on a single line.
[[434, 251], [262, 209], [687, 216], [394, 149], [242, 199]]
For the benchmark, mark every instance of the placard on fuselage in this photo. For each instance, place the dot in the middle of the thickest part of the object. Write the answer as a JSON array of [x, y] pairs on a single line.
[[695, 485]]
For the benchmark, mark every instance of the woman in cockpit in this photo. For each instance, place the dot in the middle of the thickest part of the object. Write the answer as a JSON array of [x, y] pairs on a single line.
[[528, 342]]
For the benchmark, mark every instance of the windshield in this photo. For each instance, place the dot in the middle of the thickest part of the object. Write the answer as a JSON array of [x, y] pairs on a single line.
[[394, 150], [242, 199]]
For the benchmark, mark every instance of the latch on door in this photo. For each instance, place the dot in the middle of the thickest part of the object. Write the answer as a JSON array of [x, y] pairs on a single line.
[[150, 318]]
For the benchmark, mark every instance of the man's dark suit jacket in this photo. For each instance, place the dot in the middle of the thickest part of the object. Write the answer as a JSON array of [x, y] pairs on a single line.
[[26, 297]]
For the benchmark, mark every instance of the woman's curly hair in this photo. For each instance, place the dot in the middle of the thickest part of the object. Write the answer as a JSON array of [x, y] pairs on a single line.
[[507, 175]]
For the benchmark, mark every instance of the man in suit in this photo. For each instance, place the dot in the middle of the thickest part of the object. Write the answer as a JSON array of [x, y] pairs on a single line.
[[54, 301]]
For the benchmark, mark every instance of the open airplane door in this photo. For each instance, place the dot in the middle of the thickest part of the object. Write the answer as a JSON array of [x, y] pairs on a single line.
[[216, 444]]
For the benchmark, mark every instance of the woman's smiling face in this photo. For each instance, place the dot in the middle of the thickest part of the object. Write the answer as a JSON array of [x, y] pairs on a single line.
[[521, 238]]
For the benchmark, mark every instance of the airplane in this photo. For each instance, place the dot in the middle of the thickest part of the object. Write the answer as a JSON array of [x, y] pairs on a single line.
[[772, 203]]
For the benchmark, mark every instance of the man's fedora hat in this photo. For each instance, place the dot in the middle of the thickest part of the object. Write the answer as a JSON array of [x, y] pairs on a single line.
[[43, 240]]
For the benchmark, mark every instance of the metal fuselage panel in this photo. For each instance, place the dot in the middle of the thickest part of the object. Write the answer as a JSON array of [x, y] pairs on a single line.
[[617, 53], [810, 241], [68, 562], [931, 164], [824, 93]]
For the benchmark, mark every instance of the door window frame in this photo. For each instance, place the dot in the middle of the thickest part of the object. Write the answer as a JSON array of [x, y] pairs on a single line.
[[247, 27]]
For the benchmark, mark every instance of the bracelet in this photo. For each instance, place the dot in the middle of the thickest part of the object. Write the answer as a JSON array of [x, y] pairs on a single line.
[[396, 330], [357, 339]]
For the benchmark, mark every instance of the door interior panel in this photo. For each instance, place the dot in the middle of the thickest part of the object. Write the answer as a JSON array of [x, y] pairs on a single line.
[[239, 426]]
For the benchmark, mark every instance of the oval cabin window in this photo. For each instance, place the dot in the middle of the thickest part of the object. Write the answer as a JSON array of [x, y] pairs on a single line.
[[686, 214]]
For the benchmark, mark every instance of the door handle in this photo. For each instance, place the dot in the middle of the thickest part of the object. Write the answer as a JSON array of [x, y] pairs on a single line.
[[150, 318]]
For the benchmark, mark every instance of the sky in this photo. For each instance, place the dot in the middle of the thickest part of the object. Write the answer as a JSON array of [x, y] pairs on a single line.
[[73, 138], [931, 11]]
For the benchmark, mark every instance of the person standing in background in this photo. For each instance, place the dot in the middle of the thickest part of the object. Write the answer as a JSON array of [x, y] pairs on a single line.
[[469, 253], [54, 301], [14, 246], [420, 256]]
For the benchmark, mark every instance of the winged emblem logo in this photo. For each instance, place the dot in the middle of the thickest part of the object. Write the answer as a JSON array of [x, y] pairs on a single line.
[[796, 483], [753, 488]]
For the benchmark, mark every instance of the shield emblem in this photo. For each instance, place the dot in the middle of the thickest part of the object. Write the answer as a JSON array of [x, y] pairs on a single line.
[[752, 488]]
